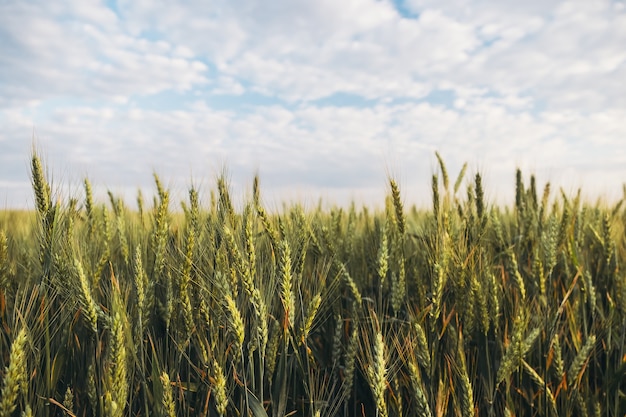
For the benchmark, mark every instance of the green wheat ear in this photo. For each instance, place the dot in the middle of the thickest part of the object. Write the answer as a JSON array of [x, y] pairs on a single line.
[[116, 396], [421, 402], [397, 204], [580, 359], [41, 186], [91, 309], [444, 172], [466, 390], [68, 402]]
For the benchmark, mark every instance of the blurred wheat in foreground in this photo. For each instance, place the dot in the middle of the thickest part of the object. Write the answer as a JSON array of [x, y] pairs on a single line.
[[467, 309]]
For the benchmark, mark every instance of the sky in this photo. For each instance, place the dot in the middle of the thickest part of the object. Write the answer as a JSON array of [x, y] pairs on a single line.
[[321, 98]]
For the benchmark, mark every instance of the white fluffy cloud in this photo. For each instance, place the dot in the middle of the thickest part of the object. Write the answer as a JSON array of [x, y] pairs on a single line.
[[322, 96], [80, 49]]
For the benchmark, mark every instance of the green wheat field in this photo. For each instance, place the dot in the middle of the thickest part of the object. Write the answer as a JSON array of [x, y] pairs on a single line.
[[183, 309]]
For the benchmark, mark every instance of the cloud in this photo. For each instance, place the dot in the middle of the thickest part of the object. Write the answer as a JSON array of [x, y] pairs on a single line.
[[566, 55], [81, 49], [300, 149], [308, 50]]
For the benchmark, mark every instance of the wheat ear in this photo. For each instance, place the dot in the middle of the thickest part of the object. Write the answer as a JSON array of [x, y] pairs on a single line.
[[169, 407], [378, 375], [581, 358], [15, 375], [219, 387], [421, 402]]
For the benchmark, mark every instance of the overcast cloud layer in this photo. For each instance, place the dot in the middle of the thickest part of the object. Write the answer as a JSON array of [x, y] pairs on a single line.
[[323, 98]]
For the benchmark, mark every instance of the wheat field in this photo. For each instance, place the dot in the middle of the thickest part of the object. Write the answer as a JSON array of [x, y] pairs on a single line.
[[464, 309]]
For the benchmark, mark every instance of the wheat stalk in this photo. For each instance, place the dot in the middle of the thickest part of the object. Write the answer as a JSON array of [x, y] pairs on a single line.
[[542, 384], [4, 261]]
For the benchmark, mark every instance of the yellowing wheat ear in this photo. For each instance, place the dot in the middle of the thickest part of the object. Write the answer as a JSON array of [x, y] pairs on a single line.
[[378, 374], [219, 385], [286, 283], [15, 375], [169, 407]]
